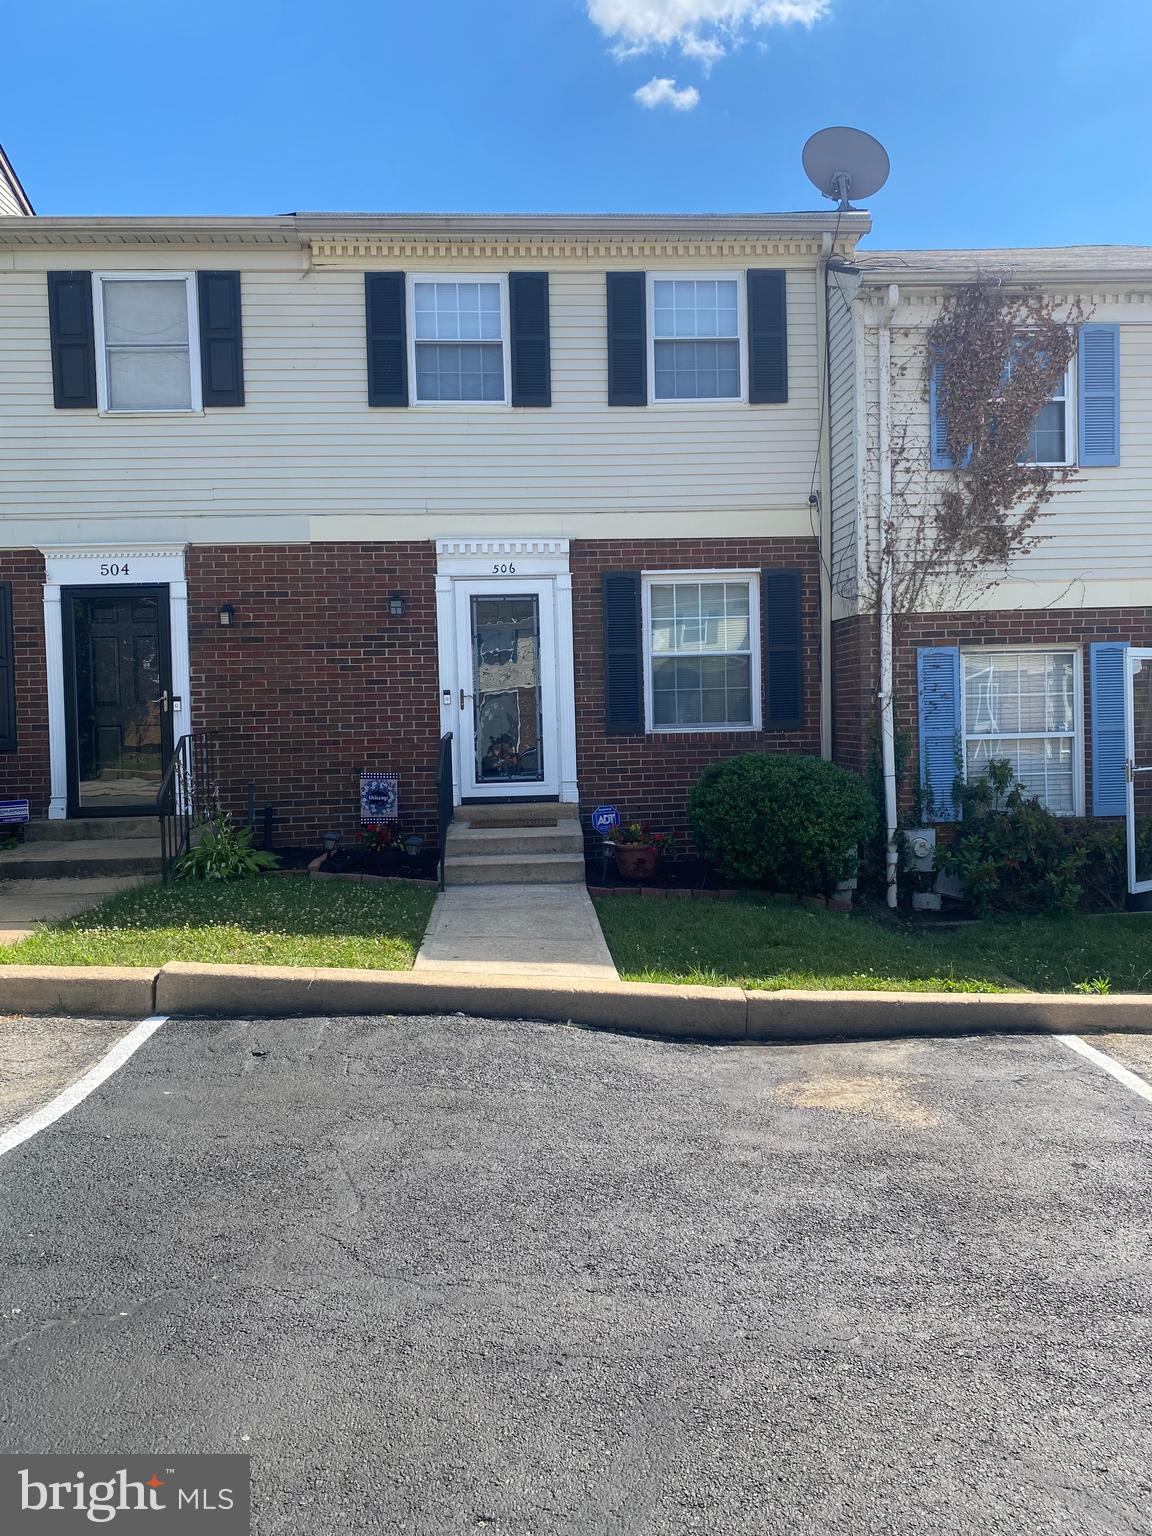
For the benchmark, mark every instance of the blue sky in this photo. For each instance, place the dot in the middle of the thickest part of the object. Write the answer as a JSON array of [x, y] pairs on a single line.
[[1009, 122]]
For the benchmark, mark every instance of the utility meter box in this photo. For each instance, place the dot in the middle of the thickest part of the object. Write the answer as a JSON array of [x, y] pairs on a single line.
[[922, 847]]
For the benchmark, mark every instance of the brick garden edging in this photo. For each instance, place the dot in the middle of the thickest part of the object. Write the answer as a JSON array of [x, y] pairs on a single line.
[[190, 989]]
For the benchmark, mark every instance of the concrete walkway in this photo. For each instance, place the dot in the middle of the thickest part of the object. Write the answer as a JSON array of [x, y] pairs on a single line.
[[521, 931], [25, 904]]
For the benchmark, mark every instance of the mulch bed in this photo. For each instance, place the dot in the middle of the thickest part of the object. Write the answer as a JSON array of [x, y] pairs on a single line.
[[358, 864]]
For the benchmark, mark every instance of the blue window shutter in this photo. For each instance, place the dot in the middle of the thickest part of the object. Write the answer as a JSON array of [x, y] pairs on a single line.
[[938, 677], [1099, 392], [941, 458], [1108, 684]]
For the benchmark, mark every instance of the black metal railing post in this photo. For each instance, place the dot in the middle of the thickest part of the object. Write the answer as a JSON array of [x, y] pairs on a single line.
[[444, 803], [187, 795]]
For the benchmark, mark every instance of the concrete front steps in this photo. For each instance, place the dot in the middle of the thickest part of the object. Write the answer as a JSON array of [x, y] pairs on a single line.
[[531, 844], [88, 848]]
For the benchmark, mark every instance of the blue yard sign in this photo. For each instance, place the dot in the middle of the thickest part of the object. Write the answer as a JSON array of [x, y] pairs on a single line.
[[13, 810], [605, 819]]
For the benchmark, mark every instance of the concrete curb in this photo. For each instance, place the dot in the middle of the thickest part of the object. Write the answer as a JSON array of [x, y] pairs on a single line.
[[712, 1013], [94, 991]]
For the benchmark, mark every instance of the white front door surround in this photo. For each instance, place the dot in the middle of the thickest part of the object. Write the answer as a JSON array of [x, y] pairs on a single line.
[[535, 571], [1137, 761], [96, 565]]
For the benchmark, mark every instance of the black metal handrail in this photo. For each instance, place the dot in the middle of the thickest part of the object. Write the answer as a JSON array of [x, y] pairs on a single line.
[[186, 797], [444, 805]]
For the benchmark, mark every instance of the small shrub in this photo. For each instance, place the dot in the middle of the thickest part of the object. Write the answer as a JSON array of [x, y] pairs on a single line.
[[784, 823], [223, 852], [1015, 856]]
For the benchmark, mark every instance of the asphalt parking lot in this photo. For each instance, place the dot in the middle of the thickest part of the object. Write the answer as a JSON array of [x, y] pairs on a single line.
[[446, 1276]]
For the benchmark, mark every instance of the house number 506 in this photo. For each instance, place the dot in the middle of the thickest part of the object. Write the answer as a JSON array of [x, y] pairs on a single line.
[[503, 570], [114, 570]]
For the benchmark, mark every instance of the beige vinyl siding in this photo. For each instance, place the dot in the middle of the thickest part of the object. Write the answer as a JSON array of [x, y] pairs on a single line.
[[307, 457], [9, 202], [1096, 533], [842, 433]]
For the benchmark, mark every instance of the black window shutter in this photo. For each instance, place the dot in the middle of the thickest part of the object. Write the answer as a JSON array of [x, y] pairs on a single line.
[[387, 338], [7, 671], [767, 337], [531, 344], [627, 339], [221, 338], [623, 653], [782, 623], [73, 341]]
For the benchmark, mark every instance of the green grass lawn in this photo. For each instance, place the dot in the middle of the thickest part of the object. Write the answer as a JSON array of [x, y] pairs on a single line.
[[757, 943], [291, 921]]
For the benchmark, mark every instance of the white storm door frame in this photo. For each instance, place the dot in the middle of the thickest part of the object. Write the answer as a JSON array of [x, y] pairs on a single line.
[[111, 566], [471, 786], [1133, 658]]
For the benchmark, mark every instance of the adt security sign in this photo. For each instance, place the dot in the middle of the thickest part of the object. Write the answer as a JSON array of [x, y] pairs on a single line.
[[605, 819]]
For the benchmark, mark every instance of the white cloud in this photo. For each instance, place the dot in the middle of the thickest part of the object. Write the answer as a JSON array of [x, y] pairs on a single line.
[[705, 49], [663, 93], [701, 29]]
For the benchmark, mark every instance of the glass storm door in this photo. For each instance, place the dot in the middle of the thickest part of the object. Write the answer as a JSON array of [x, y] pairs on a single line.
[[118, 690], [1138, 767], [507, 695]]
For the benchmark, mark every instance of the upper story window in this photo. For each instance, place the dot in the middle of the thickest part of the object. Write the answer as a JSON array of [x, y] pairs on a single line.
[[696, 346], [146, 342], [1048, 439], [701, 642], [459, 340], [1025, 706]]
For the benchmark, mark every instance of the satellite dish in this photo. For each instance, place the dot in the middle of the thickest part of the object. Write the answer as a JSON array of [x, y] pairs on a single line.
[[845, 163]]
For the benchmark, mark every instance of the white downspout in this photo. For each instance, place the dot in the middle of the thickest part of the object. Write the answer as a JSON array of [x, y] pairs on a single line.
[[823, 508], [887, 711]]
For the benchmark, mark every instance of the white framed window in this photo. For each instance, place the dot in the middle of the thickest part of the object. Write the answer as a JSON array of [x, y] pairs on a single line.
[[1026, 705], [1050, 439], [701, 650], [696, 347], [458, 340], [147, 342]]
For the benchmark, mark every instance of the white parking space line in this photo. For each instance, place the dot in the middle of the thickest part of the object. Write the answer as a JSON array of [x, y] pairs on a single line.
[[1121, 1074], [41, 1119]]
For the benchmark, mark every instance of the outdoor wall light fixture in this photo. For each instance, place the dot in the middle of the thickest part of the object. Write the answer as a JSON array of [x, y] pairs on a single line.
[[397, 605], [227, 615]]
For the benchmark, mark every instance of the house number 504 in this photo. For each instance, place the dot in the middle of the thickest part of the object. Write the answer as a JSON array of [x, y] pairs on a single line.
[[115, 569], [503, 570]]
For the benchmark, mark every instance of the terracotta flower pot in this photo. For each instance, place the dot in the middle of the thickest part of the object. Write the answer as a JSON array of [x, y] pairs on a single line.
[[635, 860]]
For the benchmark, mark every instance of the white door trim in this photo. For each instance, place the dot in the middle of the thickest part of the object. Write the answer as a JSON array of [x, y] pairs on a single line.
[[89, 565], [1132, 657], [484, 560], [542, 589]]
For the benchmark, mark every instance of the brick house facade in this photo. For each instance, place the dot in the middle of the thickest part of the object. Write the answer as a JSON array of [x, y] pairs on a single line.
[[351, 532], [315, 679]]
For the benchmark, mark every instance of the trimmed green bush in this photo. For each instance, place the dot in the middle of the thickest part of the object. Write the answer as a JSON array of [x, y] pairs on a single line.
[[784, 823], [1014, 856]]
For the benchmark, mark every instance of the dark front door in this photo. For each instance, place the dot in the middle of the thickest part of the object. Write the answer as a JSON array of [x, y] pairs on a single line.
[[118, 693]]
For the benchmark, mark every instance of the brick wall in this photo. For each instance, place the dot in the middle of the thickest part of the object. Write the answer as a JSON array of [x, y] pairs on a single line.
[[26, 773], [855, 669], [316, 680], [854, 673], [650, 776]]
